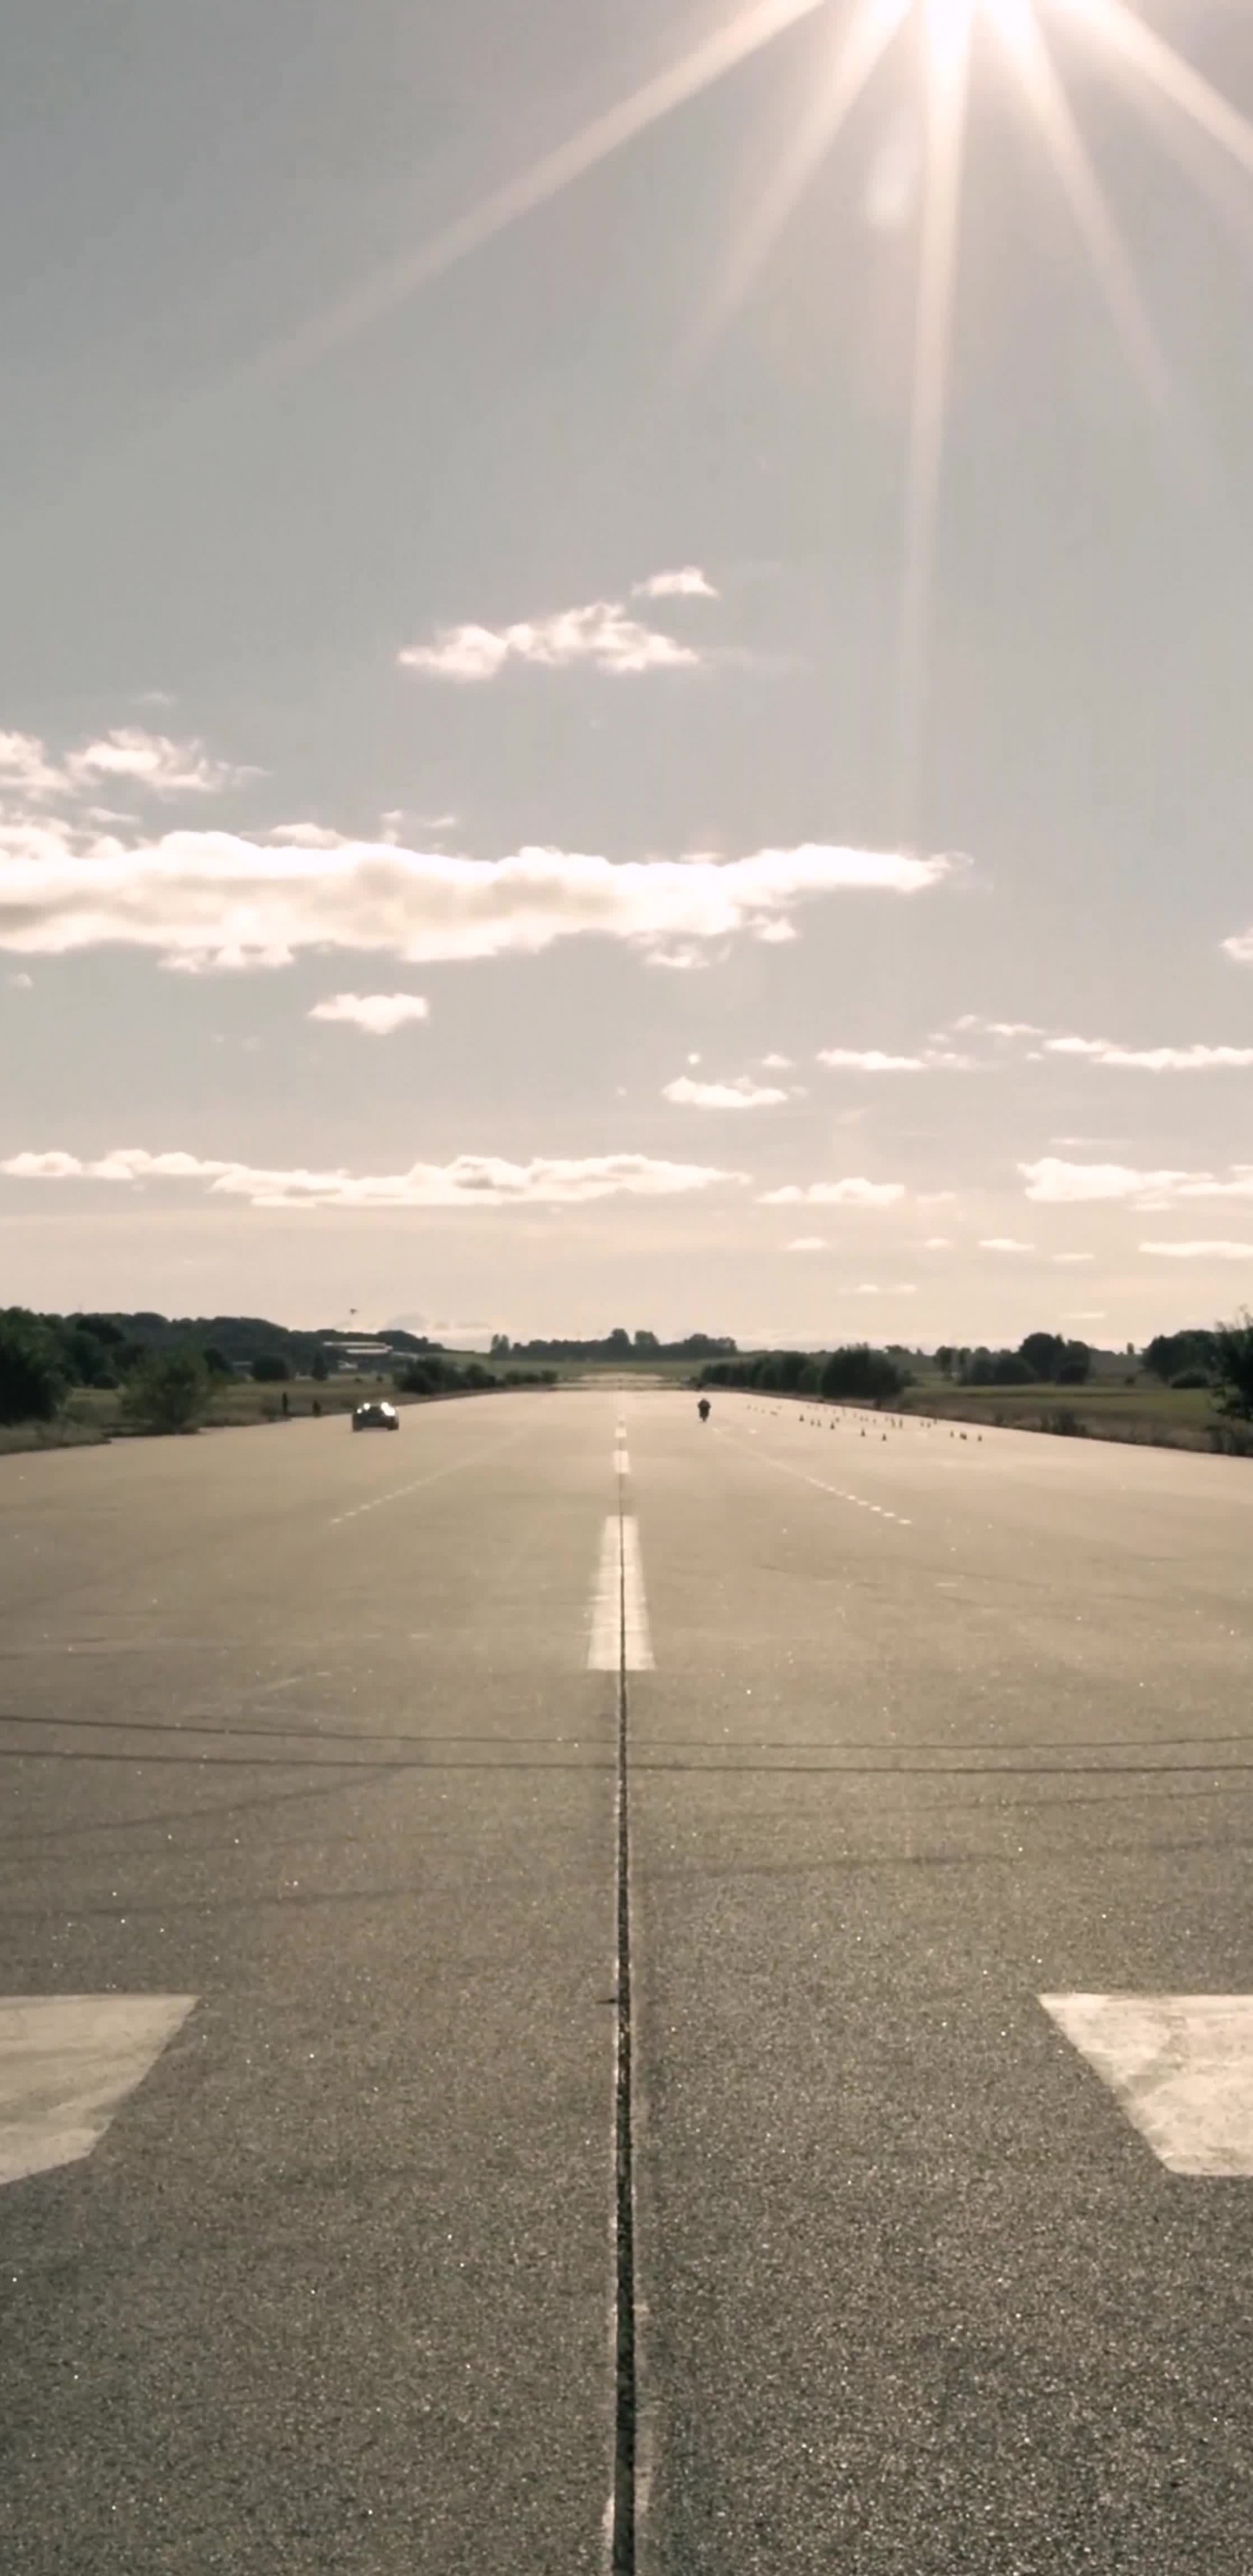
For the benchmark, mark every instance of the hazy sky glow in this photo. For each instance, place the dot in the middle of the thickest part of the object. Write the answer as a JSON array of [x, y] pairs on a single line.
[[623, 640]]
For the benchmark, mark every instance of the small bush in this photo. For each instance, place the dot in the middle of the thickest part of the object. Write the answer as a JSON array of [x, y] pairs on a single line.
[[168, 1391], [1191, 1377], [270, 1369]]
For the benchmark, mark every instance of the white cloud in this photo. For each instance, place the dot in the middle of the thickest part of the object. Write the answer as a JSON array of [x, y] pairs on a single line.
[[998, 1028], [689, 582], [938, 1243], [1240, 947], [876, 1060], [25, 766], [854, 1192], [1069, 1184], [214, 898], [743, 1093], [776, 1063], [807, 1243], [152, 761], [308, 836], [603, 636], [22, 983], [1160, 1059], [869, 1060], [1003, 1243], [472, 1180], [1200, 1251], [871, 1288], [1084, 1315], [1066, 1260], [378, 1013]]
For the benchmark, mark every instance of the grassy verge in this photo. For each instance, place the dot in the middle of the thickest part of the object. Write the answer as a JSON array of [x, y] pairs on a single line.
[[94, 1415], [18, 1437], [1150, 1416]]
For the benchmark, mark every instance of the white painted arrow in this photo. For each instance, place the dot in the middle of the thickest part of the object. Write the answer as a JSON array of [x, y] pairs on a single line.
[[66, 2062], [1182, 2068]]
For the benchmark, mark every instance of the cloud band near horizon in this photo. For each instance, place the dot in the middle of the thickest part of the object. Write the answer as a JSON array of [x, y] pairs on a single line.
[[216, 899], [469, 1181]]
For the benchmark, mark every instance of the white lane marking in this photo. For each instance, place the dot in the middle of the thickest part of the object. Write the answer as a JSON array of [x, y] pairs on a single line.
[[622, 1462], [802, 1478], [1182, 2068], [604, 1653], [638, 1656], [66, 2062], [619, 1633]]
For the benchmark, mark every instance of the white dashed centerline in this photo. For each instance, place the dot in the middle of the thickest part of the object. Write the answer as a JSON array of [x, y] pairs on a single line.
[[620, 1639]]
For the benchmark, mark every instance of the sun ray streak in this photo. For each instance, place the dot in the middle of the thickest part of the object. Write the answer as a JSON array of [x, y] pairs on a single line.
[[947, 32], [744, 35], [1118, 27], [874, 25], [1018, 27]]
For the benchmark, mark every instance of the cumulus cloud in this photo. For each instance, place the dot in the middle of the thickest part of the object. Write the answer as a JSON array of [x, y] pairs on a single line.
[[214, 898], [1240, 947], [742, 1093], [1159, 1059], [1003, 1243], [472, 1180], [869, 1060], [871, 1288], [1070, 1260], [772, 1063], [807, 1243], [1063, 1184], [1200, 1251], [128, 756], [602, 636], [377, 1013], [688, 582], [25, 766], [853, 1192], [998, 1028], [125, 757]]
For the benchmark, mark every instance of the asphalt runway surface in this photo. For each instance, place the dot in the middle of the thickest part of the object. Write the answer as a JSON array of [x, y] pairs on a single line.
[[919, 1729]]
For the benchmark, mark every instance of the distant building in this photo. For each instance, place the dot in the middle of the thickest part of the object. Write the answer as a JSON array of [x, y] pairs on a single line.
[[361, 1358]]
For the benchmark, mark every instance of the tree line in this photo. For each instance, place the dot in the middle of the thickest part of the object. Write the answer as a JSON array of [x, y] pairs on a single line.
[[165, 1374]]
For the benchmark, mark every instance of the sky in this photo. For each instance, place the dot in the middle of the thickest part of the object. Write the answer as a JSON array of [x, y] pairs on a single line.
[[543, 783]]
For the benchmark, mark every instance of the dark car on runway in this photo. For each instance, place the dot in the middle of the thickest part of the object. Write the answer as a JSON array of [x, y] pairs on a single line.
[[375, 1417]]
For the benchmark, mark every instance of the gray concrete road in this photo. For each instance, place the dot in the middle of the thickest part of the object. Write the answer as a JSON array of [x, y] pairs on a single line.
[[936, 1727]]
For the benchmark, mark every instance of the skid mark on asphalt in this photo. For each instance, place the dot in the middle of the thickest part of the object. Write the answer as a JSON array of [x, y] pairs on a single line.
[[1181, 2066], [66, 2062]]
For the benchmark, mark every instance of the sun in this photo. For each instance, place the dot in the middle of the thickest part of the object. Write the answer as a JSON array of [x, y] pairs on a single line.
[[865, 35]]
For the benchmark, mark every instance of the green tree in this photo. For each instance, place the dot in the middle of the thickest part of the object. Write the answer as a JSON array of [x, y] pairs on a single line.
[[1233, 1361], [167, 1391], [271, 1369], [869, 1377], [32, 1380], [1044, 1354], [318, 1368]]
